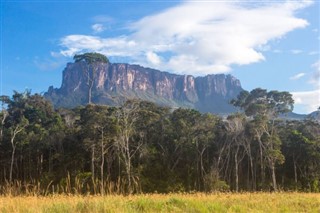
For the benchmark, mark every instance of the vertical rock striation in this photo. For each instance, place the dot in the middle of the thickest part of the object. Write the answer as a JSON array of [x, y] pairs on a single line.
[[114, 82]]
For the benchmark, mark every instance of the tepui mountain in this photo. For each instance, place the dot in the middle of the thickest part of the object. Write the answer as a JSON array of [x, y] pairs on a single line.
[[111, 83]]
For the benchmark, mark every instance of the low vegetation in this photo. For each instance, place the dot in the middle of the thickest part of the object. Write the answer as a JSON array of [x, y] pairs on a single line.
[[218, 202]]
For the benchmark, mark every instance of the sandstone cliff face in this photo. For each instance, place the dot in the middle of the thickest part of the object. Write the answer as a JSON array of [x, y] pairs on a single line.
[[115, 82]]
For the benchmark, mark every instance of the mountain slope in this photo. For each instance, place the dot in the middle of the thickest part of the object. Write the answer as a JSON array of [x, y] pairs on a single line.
[[114, 82]]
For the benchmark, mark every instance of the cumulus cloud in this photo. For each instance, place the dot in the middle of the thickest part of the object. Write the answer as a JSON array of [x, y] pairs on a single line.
[[297, 76], [198, 37], [98, 28], [310, 100], [119, 46], [296, 51], [153, 58]]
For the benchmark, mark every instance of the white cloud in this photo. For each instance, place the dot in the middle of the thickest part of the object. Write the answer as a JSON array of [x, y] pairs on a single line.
[[153, 58], [313, 53], [297, 76], [98, 28], [316, 65], [55, 54], [198, 37], [119, 46], [277, 51], [296, 51], [315, 79], [308, 100], [264, 48]]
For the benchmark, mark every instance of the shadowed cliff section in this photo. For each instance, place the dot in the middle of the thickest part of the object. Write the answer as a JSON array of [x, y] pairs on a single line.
[[114, 82]]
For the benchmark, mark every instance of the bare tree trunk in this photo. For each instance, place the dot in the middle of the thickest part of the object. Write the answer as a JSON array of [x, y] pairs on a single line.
[[202, 167], [41, 165], [50, 161], [14, 133], [197, 182], [90, 81], [253, 176], [90, 91], [127, 118], [92, 162], [274, 180], [199, 167], [2, 125], [5, 114], [12, 160], [102, 162], [128, 166], [237, 168], [262, 168], [4, 173], [237, 175], [295, 173]]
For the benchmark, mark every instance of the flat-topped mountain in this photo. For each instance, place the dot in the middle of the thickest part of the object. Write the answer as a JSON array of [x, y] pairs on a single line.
[[111, 83]]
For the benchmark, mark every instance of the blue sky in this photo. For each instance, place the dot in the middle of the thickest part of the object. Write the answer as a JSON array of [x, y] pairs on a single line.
[[271, 44]]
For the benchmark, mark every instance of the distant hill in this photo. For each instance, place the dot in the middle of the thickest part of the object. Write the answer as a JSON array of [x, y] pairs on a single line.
[[114, 82], [294, 116]]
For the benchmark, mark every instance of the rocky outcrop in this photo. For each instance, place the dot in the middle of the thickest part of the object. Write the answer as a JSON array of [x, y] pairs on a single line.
[[114, 82]]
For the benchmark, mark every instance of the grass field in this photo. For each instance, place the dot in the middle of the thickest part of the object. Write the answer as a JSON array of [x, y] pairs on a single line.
[[219, 202]]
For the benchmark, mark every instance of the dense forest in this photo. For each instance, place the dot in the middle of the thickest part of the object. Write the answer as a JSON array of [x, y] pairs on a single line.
[[141, 147]]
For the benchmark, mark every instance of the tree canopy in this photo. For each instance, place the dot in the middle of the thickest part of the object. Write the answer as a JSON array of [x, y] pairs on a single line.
[[142, 147], [91, 58], [261, 102]]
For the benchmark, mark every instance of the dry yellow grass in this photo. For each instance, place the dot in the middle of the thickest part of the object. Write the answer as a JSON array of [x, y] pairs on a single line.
[[218, 202]]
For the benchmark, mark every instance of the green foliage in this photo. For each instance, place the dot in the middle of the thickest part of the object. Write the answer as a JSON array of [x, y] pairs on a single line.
[[141, 147], [261, 102], [91, 58], [213, 183]]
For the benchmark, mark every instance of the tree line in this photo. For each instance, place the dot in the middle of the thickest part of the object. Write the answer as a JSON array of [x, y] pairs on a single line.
[[141, 147]]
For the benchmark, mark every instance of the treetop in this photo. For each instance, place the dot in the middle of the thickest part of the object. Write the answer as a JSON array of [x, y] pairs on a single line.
[[91, 58]]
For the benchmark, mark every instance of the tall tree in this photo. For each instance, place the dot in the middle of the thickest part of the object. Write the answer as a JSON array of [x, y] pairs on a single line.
[[264, 106], [91, 60], [203, 133], [126, 143], [98, 130], [235, 126], [16, 121]]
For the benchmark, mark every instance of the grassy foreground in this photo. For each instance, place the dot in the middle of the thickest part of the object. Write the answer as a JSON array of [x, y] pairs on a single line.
[[219, 202]]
